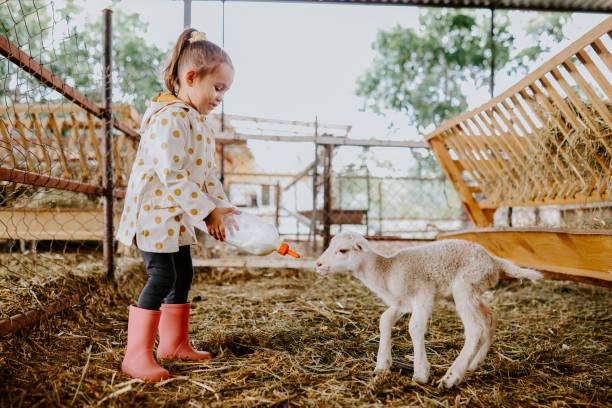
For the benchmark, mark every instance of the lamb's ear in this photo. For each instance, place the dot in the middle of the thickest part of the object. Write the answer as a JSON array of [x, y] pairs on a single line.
[[358, 246]]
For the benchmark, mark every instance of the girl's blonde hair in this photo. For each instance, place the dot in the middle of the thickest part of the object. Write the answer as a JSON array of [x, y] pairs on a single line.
[[193, 49]]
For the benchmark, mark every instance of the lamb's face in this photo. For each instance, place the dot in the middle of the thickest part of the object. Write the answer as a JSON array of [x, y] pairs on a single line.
[[343, 254]]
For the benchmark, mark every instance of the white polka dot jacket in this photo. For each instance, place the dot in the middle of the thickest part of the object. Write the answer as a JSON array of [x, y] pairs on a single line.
[[173, 171]]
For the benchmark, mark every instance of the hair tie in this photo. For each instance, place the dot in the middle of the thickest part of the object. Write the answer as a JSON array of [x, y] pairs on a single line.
[[197, 36]]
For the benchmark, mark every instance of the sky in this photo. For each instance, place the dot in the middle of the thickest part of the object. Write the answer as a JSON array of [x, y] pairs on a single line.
[[301, 61]]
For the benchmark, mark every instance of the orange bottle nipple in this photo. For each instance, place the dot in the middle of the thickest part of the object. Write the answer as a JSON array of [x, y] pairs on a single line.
[[284, 250]]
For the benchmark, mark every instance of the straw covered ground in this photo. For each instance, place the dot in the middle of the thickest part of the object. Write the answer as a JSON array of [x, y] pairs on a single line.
[[290, 338]]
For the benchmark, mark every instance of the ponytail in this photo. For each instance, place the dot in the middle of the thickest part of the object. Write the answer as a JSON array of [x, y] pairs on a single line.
[[192, 48]]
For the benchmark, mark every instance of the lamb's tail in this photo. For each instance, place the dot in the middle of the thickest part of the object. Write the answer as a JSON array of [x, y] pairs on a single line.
[[516, 271]]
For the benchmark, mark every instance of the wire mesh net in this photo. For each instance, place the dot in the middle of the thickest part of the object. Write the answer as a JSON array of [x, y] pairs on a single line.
[[50, 150]]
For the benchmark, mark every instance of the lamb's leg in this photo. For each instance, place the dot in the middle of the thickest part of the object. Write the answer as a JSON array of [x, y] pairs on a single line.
[[466, 303], [387, 321], [421, 310], [489, 321]]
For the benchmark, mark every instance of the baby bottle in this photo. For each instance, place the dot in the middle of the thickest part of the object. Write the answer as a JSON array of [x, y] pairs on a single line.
[[250, 233]]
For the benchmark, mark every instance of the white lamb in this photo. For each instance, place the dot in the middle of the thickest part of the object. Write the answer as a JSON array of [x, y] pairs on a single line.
[[413, 280]]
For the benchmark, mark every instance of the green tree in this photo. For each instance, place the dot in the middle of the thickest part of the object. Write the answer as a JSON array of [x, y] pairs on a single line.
[[422, 72], [76, 54]]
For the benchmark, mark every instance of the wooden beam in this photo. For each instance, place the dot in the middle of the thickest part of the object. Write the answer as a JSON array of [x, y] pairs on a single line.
[[50, 224], [476, 214], [571, 253], [228, 137]]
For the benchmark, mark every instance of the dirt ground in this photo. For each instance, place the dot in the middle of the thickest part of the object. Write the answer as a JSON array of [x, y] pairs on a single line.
[[290, 338]]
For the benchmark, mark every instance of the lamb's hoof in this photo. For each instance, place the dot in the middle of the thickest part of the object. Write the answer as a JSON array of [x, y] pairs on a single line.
[[474, 366], [381, 371], [449, 380], [423, 378], [382, 366]]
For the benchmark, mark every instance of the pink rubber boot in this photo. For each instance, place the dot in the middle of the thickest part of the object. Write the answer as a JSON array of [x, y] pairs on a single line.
[[138, 361], [173, 334]]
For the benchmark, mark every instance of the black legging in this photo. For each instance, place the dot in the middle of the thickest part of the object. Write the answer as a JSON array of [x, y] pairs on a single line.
[[170, 276]]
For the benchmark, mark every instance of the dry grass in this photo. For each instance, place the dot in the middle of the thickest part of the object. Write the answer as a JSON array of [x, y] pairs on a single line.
[[286, 337]]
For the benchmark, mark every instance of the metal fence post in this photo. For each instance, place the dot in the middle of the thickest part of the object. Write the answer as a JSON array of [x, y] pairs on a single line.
[[107, 175]]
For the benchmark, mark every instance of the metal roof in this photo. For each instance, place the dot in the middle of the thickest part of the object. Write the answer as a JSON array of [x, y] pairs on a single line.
[[599, 6]]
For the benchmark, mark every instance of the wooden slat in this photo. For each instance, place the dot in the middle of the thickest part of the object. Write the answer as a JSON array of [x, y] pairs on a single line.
[[7, 141], [39, 136], [571, 253], [60, 145], [476, 214], [30, 163], [79, 146]]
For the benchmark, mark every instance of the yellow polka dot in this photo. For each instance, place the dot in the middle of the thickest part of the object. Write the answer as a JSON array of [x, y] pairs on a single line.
[[127, 209], [208, 140], [164, 121], [126, 232], [211, 184], [179, 176], [198, 184], [176, 133], [220, 197], [158, 192], [177, 218], [194, 195], [135, 199], [199, 162], [155, 160], [209, 165], [194, 211], [137, 214], [158, 245], [145, 233], [144, 176], [176, 159], [170, 232], [156, 207], [188, 173], [171, 209], [151, 178], [132, 224], [146, 207], [153, 135], [183, 229], [170, 198], [166, 171], [190, 150], [182, 114], [140, 162], [174, 113], [201, 118], [164, 146], [177, 192], [158, 220], [199, 137], [125, 218]]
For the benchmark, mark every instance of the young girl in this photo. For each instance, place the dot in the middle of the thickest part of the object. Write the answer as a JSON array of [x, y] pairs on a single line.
[[166, 195]]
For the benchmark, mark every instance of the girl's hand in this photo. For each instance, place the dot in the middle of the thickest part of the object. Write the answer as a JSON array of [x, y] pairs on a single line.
[[215, 225]]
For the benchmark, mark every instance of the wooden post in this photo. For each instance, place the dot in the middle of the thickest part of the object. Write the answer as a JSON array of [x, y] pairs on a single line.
[[327, 196], [277, 200], [380, 207], [368, 191], [313, 221], [107, 174]]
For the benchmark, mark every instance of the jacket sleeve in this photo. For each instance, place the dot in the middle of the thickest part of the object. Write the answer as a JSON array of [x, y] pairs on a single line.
[[169, 136]]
